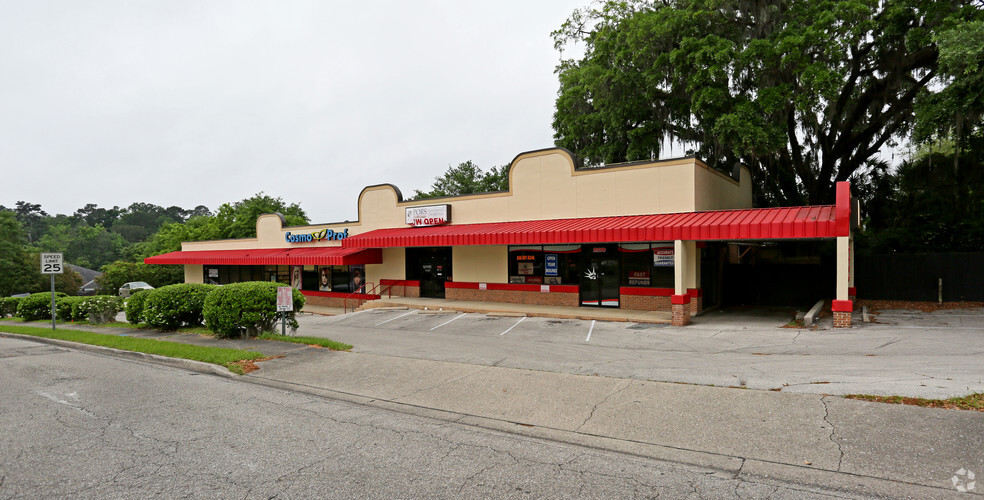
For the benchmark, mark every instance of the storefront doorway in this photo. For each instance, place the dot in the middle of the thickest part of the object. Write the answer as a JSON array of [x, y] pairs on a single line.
[[431, 267], [600, 276]]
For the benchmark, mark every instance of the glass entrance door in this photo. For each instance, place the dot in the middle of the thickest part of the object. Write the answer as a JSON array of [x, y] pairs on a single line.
[[599, 276], [432, 267]]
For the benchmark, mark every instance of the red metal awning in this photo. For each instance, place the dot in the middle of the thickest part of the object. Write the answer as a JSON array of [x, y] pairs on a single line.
[[322, 256], [816, 221]]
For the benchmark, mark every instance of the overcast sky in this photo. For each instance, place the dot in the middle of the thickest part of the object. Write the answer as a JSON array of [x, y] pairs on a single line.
[[197, 102]]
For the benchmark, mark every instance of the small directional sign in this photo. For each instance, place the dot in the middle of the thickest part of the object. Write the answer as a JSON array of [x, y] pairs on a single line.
[[51, 263]]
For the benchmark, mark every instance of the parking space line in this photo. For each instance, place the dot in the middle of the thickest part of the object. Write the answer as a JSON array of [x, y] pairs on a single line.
[[590, 330], [340, 317], [398, 317], [448, 321], [514, 326]]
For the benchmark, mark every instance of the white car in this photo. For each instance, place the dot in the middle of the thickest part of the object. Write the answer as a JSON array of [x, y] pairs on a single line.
[[128, 288]]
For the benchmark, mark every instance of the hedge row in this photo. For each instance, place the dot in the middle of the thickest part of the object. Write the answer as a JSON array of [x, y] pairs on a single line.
[[8, 306], [248, 308], [236, 309], [95, 309]]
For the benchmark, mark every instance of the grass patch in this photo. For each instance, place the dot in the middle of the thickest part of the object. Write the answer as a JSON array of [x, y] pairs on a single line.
[[316, 341], [971, 402], [216, 355], [193, 329]]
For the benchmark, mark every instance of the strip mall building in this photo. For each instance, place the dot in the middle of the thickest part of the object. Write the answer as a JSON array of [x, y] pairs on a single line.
[[647, 236]]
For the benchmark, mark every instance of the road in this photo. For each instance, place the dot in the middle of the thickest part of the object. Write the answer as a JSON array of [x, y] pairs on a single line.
[[83, 425], [934, 355]]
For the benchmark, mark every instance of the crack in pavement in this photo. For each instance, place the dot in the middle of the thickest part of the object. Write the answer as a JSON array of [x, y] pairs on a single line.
[[442, 384], [826, 415], [603, 401]]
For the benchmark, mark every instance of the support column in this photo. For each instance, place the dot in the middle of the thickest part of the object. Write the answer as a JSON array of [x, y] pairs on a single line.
[[852, 292], [683, 280], [842, 305]]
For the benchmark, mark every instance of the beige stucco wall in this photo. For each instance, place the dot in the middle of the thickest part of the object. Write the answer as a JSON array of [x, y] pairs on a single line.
[[542, 185], [480, 264], [716, 191], [194, 273], [394, 266]]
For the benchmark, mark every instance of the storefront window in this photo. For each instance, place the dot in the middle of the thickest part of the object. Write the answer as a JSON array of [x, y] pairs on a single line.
[[647, 264], [550, 264], [560, 264], [526, 264], [663, 275], [637, 263]]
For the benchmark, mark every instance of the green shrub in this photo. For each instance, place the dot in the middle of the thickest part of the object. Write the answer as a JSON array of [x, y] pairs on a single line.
[[135, 305], [169, 307], [8, 306], [98, 308], [249, 307], [65, 308], [36, 306]]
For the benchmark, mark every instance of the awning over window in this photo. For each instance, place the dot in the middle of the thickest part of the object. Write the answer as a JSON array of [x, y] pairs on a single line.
[[321, 256], [816, 221]]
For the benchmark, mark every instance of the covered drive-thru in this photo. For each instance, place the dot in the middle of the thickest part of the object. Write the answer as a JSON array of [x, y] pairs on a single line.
[[642, 235]]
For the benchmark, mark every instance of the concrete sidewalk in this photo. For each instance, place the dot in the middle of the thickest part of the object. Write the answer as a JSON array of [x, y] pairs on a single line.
[[869, 448], [858, 448]]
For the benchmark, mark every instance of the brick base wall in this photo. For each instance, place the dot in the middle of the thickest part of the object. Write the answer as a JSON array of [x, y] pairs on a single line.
[[332, 302], [681, 315], [644, 303], [513, 296], [401, 291], [842, 319], [337, 299], [696, 305]]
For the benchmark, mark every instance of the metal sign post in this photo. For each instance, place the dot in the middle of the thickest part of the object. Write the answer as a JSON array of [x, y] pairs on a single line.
[[285, 304], [51, 263]]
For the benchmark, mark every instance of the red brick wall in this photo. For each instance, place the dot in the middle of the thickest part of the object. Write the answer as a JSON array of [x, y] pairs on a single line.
[[331, 302], [333, 299], [644, 303], [681, 315], [513, 296], [842, 319], [399, 288], [400, 291]]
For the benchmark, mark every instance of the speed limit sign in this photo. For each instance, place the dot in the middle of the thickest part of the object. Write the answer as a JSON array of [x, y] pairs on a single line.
[[51, 263]]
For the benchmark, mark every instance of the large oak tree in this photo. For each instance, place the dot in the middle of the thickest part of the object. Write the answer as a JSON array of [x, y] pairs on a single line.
[[804, 92]]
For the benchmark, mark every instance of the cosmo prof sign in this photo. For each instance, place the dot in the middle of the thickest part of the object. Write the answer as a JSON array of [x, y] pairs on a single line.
[[431, 215], [324, 234]]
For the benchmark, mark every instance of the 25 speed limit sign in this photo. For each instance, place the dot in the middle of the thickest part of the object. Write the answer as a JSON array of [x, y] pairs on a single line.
[[51, 263]]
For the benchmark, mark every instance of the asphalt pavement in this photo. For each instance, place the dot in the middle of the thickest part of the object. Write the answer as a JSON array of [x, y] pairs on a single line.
[[748, 430]]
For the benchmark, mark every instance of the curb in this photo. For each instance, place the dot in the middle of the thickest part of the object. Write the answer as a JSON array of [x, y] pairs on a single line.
[[726, 465], [184, 364], [721, 465]]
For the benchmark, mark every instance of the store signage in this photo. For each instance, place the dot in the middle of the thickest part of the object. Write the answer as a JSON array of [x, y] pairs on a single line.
[[431, 215], [639, 278], [550, 260], [324, 234], [663, 257]]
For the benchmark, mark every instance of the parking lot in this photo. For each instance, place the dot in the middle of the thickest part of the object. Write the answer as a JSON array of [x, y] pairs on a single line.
[[906, 353]]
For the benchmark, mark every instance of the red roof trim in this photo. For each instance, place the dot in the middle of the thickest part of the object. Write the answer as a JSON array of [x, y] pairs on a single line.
[[323, 256], [755, 224]]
